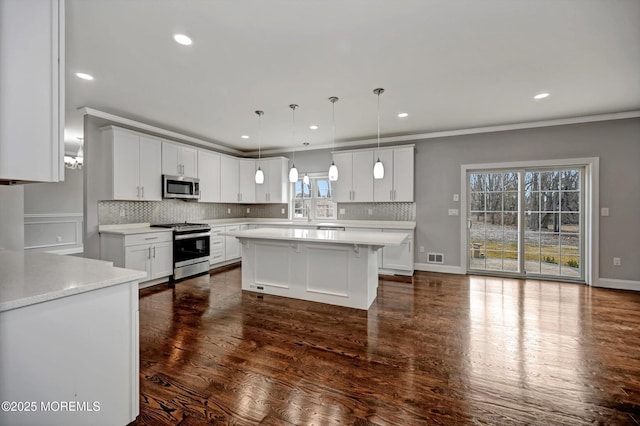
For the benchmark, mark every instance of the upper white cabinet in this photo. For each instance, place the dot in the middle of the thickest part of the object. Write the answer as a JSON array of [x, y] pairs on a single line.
[[247, 181], [229, 184], [209, 175], [355, 176], [136, 164], [179, 160], [397, 183], [32, 87], [275, 188]]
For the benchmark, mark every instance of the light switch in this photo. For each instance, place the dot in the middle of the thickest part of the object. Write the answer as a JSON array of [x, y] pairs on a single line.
[[370, 212], [281, 211], [604, 211], [453, 212], [456, 197], [248, 209], [229, 211], [341, 211]]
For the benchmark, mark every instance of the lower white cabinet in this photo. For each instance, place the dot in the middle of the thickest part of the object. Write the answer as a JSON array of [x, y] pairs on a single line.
[[231, 244], [394, 259], [224, 248], [399, 258], [150, 252]]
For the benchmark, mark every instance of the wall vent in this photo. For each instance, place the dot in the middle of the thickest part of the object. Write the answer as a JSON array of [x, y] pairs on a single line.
[[435, 258]]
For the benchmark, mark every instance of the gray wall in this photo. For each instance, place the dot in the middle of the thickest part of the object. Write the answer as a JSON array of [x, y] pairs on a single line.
[[437, 177], [60, 197]]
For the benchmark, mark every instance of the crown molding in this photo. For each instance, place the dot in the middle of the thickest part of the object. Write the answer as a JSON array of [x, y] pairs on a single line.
[[461, 132], [159, 131]]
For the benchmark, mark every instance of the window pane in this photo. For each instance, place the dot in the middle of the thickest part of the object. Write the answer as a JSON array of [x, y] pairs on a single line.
[[550, 180]]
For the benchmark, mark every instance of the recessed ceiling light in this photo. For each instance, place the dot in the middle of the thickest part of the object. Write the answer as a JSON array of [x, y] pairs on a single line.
[[84, 76], [403, 115], [182, 39], [540, 96], [244, 137], [313, 127]]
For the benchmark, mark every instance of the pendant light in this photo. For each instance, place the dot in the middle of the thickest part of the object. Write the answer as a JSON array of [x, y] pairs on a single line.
[[259, 172], [378, 168], [333, 170], [305, 179], [293, 173]]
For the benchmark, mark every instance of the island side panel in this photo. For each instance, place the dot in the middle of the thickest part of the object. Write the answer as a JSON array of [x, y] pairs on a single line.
[[80, 349], [337, 274]]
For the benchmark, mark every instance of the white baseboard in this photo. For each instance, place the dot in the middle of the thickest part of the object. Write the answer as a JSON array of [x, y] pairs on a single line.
[[618, 284], [443, 269]]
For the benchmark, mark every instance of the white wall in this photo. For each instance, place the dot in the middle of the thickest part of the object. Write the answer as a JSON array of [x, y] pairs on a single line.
[[11, 217], [60, 197]]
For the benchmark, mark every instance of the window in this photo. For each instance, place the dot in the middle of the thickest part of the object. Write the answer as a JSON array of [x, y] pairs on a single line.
[[313, 201]]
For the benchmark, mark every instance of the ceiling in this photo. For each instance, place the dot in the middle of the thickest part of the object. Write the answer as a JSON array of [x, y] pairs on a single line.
[[449, 64]]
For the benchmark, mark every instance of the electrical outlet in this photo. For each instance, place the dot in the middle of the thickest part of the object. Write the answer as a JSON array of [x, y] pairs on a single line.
[[122, 213], [616, 261], [248, 209], [421, 249], [229, 211], [59, 239], [604, 211], [370, 211], [282, 211], [341, 211], [456, 197], [453, 212]]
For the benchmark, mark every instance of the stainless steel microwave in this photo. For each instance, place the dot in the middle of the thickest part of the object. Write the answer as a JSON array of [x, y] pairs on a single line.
[[180, 187]]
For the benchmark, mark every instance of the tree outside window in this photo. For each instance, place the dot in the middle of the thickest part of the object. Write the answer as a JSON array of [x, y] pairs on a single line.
[[313, 200]]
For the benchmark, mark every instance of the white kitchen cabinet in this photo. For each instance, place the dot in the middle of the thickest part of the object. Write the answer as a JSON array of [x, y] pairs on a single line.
[[399, 259], [275, 188], [209, 175], [229, 183], [397, 184], [32, 86], [355, 176], [136, 164], [217, 245], [150, 252], [179, 159], [247, 181], [231, 244]]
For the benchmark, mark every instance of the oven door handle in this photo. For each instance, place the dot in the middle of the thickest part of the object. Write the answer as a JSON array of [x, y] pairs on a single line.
[[188, 236]]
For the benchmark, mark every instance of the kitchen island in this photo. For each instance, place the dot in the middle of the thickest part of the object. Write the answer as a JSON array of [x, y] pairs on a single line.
[[326, 266], [68, 340]]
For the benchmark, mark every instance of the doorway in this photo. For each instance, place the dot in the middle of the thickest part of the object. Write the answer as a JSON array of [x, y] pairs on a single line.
[[527, 222]]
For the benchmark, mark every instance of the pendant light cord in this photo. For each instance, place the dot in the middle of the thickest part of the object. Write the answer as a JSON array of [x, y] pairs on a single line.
[[293, 130], [259, 113], [378, 120]]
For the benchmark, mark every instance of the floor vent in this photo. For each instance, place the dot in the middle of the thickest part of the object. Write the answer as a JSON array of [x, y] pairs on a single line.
[[435, 258]]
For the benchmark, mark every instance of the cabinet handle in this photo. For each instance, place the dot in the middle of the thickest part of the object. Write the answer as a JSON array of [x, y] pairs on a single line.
[[154, 252], [142, 192], [149, 252], [151, 238]]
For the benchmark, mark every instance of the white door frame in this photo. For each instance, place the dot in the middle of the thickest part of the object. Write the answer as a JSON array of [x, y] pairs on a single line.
[[591, 202]]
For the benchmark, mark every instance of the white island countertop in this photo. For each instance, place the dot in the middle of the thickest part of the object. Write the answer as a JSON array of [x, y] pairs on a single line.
[[30, 278], [323, 236]]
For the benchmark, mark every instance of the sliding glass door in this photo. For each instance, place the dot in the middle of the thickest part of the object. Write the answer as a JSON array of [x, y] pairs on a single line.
[[526, 222]]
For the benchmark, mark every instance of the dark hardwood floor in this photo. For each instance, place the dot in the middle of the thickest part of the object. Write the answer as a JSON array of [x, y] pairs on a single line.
[[442, 349]]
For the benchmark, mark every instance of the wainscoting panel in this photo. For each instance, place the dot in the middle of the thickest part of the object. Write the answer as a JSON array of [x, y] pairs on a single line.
[[56, 232]]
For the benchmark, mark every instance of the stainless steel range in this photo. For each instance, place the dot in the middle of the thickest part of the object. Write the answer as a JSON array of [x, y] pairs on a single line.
[[191, 248]]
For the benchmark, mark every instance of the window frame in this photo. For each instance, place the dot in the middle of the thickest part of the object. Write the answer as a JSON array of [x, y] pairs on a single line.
[[313, 177]]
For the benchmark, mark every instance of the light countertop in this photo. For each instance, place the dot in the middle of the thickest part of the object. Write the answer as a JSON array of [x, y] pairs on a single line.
[[323, 236], [140, 228], [30, 278]]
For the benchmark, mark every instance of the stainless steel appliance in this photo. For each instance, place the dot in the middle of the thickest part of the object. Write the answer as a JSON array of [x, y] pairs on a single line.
[[191, 248], [180, 187]]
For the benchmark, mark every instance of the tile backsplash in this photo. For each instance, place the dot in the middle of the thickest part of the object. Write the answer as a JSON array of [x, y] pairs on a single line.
[[166, 211], [377, 211]]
